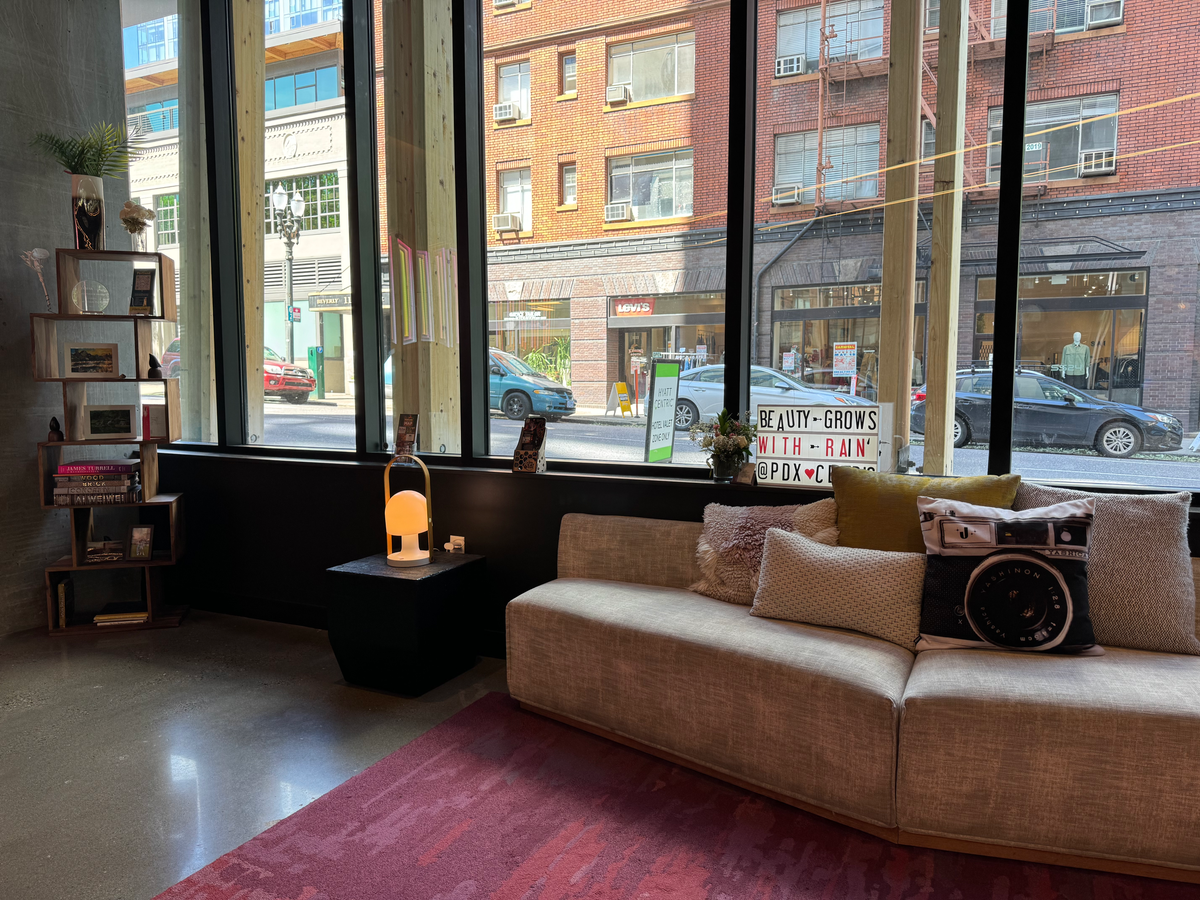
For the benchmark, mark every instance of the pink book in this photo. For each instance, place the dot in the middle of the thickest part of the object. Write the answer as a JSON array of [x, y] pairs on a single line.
[[99, 467]]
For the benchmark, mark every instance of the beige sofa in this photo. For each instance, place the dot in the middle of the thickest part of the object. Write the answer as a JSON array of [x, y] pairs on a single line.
[[1087, 762]]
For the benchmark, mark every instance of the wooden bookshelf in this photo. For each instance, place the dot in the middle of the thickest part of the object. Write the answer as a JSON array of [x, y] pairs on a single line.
[[162, 510]]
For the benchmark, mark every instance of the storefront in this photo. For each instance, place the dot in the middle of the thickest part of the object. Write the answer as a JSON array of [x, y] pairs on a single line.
[[329, 307], [537, 331], [1085, 328], [685, 327], [807, 321]]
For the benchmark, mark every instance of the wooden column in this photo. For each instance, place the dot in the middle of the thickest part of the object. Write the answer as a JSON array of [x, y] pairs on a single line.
[[421, 207], [942, 359], [900, 229], [197, 383], [250, 64]]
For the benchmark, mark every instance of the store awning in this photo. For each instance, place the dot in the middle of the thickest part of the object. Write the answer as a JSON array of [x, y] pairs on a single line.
[[335, 300], [1048, 255]]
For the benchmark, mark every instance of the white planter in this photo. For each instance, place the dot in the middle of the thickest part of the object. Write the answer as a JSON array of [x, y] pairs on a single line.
[[87, 211]]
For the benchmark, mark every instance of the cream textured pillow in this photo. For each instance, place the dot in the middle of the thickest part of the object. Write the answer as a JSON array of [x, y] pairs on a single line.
[[730, 549], [876, 592], [1141, 590]]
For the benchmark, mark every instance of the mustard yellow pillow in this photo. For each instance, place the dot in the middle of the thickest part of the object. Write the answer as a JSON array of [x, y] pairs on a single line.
[[879, 512]]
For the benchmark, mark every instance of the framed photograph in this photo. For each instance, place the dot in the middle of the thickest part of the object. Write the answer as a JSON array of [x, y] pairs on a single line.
[[107, 423], [404, 305], [141, 542], [141, 300], [90, 361]]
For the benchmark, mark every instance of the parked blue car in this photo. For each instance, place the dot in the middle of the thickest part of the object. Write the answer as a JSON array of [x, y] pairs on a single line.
[[518, 390]]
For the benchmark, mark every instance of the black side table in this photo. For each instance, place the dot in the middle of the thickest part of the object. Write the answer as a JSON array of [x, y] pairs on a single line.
[[404, 630]]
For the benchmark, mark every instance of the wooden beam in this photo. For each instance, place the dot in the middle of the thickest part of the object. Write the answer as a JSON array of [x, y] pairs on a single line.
[[250, 69], [900, 229], [942, 359]]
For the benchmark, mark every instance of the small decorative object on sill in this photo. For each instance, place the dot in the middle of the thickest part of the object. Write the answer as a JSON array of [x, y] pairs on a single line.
[[407, 514], [155, 370], [55, 431], [87, 158], [34, 258], [135, 218], [530, 455], [728, 442]]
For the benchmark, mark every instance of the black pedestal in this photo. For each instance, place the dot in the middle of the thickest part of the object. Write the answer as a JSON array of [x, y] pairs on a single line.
[[404, 630]]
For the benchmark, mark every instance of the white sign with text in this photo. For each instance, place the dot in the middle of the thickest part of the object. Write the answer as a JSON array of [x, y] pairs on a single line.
[[799, 445]]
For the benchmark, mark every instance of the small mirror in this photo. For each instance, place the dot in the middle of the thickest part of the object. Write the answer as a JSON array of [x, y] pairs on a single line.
[[496, 370], [783, 386]]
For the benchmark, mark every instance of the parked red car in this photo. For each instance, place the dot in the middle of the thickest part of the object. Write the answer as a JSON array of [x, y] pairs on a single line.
[[280, 379]]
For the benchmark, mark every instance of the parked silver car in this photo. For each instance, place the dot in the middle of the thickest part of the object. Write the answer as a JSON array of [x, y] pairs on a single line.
[[702, 393]]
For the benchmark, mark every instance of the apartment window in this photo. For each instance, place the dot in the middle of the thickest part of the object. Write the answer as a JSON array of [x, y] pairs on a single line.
[[928, 141], [271, 15], [302, 87], [151, 42], [322, 202], [853, 154], [512, 86], [568, 74], [661, 67], [1061, 17], [166, 219], [856, 26], [568, 185], [933, 10], [1060, 141], [516, 195], [312, 12], [657, 186]]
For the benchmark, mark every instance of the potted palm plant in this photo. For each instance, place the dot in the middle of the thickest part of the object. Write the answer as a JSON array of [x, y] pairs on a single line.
[[87, 158]]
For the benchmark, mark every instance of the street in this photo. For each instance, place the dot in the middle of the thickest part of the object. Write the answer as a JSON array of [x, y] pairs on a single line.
[[316, 425]]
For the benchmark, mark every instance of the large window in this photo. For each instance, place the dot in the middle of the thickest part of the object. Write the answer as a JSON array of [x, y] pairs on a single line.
[[656, 68], [850, 169], [166, 222], [1064, 139], [150, 42], [516, 196], [656, 186], [513, 87], [1061, 16], [854, 30], [322, 201], [302, 87]]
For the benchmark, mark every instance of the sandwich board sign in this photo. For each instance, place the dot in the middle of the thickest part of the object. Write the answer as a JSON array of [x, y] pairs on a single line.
[[660, 410], [797, 446], [618, 399]]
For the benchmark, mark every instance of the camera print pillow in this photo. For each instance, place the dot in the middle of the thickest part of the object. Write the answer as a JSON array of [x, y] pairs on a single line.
[[1005, 580]]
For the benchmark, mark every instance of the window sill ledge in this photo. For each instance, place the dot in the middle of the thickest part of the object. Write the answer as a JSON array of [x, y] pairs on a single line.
[[648, 223], [567, 207], [1094, 33], [519, 123], [502, 236], [796, 79], [512, 9], [641, 104], [567, 95]]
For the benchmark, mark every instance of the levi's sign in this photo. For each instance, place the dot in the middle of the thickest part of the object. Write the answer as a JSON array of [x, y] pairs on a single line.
[[798, 445], [641, 307]]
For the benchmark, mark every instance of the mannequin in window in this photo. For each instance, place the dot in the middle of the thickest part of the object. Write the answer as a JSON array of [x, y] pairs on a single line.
[[1076, 358]]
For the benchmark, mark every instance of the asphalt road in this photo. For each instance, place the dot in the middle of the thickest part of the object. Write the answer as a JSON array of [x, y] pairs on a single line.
[[330, 427]]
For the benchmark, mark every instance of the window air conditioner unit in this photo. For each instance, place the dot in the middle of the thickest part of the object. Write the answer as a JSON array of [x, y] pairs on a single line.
[[616, 212], [503, 222], [1103, 13], [786, 194], [505, 112], [1097, 162], [791, 65], [617, 93]]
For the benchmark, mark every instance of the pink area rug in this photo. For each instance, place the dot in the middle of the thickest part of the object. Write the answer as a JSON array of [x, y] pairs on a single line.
[[502, 804]]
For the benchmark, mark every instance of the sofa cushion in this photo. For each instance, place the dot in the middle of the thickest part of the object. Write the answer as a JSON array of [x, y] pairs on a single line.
[[806, 712], [617, 548], [870, 591], [878, 511], [1096, 756], [730, 550], [1140, 585]]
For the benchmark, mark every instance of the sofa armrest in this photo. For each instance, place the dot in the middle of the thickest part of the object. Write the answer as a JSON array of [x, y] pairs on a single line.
[[657, 552]]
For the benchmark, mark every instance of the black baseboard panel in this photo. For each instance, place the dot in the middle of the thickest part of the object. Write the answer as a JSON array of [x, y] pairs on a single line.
[[262, 531]]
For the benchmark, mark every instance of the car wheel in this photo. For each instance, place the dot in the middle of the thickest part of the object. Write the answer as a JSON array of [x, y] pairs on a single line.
[[686, 415], [1119, 440], [297, 398], [962, 431], [516, 405]]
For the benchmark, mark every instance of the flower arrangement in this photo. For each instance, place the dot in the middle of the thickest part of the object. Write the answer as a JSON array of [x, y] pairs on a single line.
[[727, 440], [135, 217]]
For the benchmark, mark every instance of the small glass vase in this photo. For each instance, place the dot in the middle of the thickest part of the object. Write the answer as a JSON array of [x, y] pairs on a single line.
[[725, 468]]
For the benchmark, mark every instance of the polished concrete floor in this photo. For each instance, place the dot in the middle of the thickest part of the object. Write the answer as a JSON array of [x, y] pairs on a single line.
[[128, 761]]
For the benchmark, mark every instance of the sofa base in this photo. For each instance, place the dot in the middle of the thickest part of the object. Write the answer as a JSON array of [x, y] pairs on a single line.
[[896, 835]]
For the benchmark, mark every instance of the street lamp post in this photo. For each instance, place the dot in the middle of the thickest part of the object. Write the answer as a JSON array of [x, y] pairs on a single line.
[[287, 221]]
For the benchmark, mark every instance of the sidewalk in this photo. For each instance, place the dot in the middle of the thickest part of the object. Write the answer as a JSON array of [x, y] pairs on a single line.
[[595, 415]]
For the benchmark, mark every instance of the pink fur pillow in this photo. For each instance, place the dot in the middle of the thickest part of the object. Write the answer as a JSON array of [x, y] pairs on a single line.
[[731, 548]]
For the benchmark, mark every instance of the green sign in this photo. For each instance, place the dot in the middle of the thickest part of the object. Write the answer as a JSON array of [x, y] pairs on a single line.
[[660, 411]]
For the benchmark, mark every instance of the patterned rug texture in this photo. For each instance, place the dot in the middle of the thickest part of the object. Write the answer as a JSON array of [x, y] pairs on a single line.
[[503, 804]]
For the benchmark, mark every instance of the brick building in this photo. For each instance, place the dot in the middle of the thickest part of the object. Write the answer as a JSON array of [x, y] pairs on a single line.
[[1111, 217]]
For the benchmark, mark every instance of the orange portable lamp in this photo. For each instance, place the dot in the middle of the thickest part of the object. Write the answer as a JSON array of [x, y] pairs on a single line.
[[407, 514]]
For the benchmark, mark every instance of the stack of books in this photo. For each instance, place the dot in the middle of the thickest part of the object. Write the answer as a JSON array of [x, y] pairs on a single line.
[[98, 482], [121, 614]]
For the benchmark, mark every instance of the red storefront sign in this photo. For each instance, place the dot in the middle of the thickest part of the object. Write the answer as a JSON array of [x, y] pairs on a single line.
[[643, 306]]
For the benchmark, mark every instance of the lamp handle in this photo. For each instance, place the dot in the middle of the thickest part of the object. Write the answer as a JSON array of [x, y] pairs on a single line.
[[387, 491]]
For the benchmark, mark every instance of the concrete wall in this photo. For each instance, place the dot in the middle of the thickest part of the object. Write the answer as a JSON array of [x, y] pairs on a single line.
[[61, 71]]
